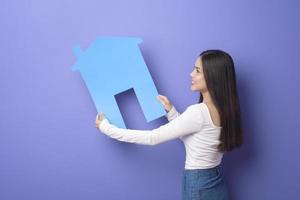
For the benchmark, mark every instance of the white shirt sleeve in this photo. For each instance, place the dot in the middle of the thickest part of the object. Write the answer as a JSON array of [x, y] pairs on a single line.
[[190, 121], [172, 114]]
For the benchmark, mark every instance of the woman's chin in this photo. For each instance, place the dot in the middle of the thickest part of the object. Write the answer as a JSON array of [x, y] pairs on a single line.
[[192, 88]]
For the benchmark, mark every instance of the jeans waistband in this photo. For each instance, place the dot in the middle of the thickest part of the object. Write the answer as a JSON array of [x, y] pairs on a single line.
[[218, 169]]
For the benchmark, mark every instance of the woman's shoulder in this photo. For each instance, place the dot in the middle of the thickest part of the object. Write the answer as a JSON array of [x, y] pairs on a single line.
[[197, 113], [197, 106], [199, 109]]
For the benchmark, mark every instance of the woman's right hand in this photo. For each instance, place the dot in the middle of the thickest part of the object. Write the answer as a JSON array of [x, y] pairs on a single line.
[[165, 102]]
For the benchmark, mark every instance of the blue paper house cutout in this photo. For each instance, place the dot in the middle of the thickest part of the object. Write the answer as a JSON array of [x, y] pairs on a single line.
[[112, 65]]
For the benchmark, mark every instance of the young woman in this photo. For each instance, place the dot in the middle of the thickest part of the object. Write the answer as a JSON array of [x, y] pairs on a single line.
[[208, 128]]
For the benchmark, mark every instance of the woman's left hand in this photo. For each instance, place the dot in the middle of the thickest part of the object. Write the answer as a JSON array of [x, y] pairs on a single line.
[[99, 118]]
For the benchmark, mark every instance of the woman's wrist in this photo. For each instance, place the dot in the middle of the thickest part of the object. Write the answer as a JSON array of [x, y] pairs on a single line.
[[170, 108]]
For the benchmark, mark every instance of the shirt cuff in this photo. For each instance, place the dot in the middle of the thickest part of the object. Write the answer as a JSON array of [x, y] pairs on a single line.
[[103, 125], [172, 113]]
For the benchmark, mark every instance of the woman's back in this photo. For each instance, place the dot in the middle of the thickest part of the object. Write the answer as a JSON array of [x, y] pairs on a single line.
[[202, 146]]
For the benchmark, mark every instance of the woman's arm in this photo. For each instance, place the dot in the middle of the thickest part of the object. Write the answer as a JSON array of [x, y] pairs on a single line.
[[172, 114], [190, 121]]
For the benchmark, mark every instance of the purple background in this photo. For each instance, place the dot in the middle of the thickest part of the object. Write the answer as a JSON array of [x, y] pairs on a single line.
[[49, 147]]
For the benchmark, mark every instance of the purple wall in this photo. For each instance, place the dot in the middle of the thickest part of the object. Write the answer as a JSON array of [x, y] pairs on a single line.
[[49, 147]]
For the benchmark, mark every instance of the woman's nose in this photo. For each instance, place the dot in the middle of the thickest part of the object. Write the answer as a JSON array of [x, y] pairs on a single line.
[[191, 74]]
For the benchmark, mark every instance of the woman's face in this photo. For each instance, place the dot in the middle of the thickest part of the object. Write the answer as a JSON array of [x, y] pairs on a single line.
[[198, 80]]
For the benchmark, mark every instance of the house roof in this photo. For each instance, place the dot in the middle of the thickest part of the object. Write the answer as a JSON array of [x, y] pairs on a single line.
[[107, 45]]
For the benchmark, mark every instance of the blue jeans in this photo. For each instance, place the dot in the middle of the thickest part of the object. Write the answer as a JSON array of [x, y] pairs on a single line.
[[204, 184]]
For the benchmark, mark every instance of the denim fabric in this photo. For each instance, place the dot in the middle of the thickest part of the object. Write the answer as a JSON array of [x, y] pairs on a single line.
[[204, 184]]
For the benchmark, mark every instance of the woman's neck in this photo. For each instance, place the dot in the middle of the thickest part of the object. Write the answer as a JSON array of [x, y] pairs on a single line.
[[207, 98]]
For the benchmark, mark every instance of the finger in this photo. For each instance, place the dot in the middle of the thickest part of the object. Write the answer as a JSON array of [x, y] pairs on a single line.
[[100, 115], [162, 98], [97, 118], [162, 101]]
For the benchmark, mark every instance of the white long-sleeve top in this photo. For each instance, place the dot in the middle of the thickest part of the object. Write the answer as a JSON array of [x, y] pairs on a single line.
[[194, 127]]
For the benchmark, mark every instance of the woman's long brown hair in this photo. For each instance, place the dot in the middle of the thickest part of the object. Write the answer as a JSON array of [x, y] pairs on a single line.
[[219, 73]]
